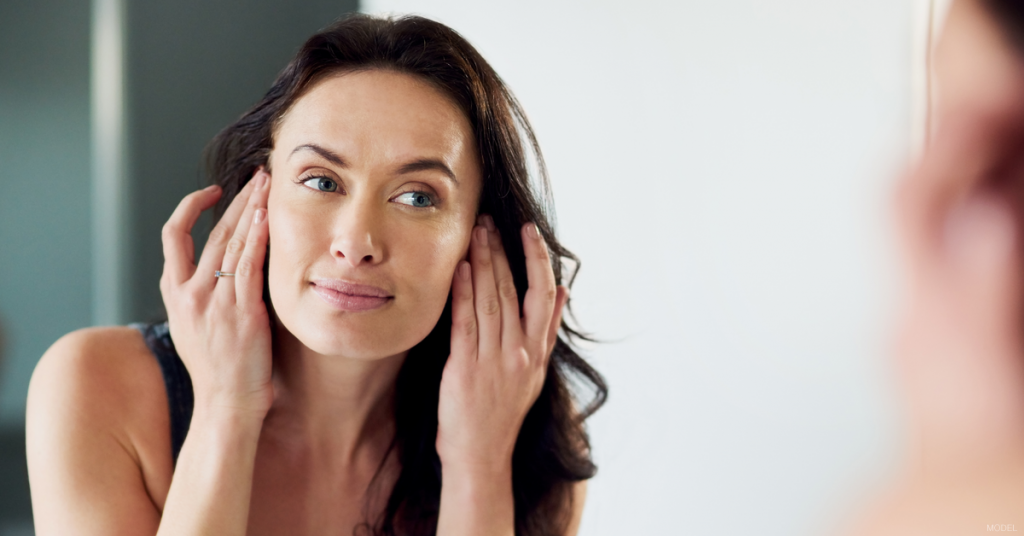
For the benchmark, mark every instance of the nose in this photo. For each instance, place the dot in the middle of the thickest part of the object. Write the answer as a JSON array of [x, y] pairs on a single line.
[[357, 236]]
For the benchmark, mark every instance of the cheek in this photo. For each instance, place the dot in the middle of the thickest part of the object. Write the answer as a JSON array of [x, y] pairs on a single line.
[[292, 240], [424, 262], [430, 262], [296, 229]]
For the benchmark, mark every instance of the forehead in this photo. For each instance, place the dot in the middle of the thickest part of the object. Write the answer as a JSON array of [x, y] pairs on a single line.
[[379, 114]]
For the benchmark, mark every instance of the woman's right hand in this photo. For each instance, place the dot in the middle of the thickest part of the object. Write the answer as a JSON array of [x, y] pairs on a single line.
[[220, 326]]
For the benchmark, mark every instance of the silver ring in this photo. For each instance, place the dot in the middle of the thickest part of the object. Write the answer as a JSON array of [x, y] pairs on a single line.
[[219, 273]]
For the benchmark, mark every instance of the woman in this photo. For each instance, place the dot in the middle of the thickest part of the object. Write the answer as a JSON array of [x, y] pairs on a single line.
[[370, 332]]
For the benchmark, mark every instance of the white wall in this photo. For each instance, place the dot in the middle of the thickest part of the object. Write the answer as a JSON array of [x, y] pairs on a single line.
[[722, 170]]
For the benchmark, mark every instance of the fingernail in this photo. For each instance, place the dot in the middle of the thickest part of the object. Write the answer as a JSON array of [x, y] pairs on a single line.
[[532, 229], [481, 235], [488, 222], [258, 217], [261, 180], [211, 188], [464, 270]]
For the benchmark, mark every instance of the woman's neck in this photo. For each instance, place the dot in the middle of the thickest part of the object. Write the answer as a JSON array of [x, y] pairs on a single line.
[[331, 407]]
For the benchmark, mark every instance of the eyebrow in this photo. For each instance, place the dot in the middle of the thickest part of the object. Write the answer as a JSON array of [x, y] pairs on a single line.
[[421, 164], [427, 164], [326, 154]]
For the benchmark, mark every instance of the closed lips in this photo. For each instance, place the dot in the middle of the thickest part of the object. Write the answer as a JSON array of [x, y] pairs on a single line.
[[350, 297], [352, 289]]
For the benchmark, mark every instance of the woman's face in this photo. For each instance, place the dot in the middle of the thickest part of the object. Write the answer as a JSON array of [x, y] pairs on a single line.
[[374, 191]]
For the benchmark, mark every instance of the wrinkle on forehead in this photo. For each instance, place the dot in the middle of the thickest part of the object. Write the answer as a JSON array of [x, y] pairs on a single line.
[[420, 120]]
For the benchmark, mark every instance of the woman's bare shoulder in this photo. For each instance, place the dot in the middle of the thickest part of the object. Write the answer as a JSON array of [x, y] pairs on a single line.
[[97, 425], [104, 373]]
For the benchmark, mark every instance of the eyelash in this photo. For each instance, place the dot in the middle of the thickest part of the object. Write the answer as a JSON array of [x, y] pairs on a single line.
[[303, 180]]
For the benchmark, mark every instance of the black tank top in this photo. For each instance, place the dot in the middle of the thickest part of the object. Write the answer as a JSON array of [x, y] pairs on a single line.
[[176, 380]]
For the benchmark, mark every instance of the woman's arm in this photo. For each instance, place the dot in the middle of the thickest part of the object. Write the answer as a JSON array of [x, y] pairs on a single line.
[[86, 473], [476, 502], [212, 483], [481, 500], [494, 374], [221, 331]]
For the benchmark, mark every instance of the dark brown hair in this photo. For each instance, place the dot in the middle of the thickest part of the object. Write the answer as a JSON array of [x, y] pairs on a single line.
[[552, 450], [1010, 15]]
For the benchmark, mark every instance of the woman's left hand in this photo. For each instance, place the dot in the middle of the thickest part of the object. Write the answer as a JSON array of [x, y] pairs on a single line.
[[498, 359]]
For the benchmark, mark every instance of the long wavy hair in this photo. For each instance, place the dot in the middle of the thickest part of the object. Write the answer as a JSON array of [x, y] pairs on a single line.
[[552, 451], [1010, 15]]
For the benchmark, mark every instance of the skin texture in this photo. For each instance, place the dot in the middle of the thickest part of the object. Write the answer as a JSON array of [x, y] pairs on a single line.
[[959, 350], [286, 438], [372, 236]]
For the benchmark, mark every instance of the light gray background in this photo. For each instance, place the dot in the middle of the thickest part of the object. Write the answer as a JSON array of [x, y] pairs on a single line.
[[722, 169]]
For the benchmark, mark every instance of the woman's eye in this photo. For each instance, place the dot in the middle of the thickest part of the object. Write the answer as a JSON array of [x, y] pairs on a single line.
[[415, 199], [322, 184]]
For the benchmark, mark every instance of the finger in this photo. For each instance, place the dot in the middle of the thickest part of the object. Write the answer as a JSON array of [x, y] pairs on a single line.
[[464, 326], [235, 247], [487, 305], [179, 250], [539, 302], [556, 320], [213, 251], [249, 273], [511, 327]]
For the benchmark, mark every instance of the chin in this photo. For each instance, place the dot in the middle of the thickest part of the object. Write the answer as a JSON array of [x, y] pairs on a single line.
[[366, 336], [342, 337]]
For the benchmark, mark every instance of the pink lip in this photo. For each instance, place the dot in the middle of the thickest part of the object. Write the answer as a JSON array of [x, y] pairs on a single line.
[[347, 296]]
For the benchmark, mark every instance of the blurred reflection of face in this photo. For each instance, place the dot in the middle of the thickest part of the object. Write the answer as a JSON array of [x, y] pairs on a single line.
[[374, 190], [959, 346], [972, 166]]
